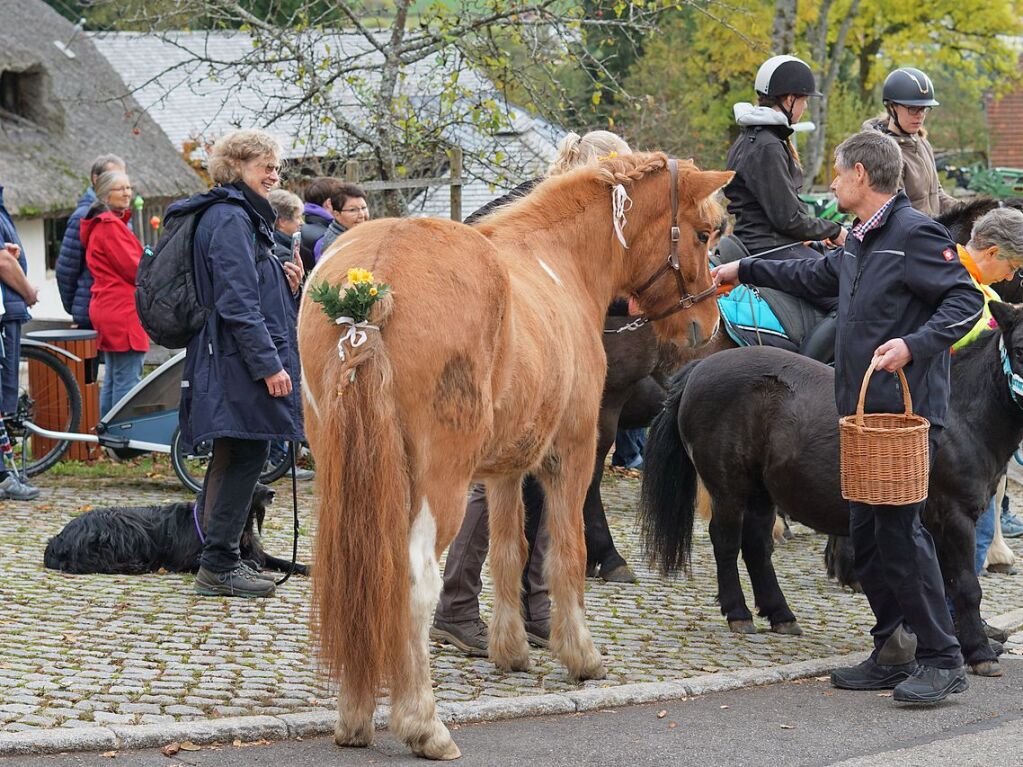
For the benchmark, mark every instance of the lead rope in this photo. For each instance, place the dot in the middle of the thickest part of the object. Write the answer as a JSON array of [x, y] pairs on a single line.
[[295, 447]]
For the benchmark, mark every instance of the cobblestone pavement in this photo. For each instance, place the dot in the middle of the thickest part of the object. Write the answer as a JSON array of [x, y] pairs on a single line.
[[93, 650]]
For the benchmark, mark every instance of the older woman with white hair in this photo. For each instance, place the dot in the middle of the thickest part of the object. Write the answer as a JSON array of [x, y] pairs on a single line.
[[239, 388], [112, 253]]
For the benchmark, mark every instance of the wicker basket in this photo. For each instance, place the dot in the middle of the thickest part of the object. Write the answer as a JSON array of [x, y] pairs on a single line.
[[885, 460]]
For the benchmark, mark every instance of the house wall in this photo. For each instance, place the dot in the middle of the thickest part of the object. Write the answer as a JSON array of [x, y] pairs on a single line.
[[30, 230], [1004, 119]]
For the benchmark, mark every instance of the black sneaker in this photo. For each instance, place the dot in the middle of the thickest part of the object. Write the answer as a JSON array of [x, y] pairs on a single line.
[[240, 582], [929, 684], [870, 675], [993, 632], [470, 637], [538, 633]]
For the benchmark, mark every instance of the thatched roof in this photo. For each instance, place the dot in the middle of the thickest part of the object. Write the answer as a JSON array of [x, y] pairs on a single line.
[[69, 111]]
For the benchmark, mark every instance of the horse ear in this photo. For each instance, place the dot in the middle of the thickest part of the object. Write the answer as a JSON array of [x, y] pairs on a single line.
[[702, 184], [1006, 315]]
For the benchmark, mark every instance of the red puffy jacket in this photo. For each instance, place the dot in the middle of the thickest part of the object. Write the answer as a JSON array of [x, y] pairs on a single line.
[[113, 253]]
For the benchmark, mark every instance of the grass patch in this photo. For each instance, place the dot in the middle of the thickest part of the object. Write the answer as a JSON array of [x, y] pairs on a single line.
[[151, 465]]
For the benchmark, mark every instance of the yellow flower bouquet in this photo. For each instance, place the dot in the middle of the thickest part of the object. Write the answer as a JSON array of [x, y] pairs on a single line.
[[354, 301]]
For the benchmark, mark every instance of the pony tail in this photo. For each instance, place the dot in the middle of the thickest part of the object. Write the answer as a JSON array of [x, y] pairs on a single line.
[[668, 495], [568, 154], [361, 573], [794, 151]]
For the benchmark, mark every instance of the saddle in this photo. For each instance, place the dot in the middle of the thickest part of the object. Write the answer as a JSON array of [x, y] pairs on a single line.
[[767, 317]]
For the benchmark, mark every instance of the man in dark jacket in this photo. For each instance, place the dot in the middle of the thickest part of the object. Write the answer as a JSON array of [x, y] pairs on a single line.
[[905, 298], [74, 281], [319, 214]]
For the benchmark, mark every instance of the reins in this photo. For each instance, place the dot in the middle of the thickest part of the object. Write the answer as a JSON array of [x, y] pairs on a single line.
[[685, 299]]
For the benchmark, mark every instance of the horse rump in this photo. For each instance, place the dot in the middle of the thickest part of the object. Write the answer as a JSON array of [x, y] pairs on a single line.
[[130, 540], [668, 495]]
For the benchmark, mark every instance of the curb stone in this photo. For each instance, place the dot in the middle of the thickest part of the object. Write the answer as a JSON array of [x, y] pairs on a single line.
[[316, 723]]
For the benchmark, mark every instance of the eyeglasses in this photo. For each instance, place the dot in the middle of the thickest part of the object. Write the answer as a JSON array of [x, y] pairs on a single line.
[[363, 209], [916, 110], [122, 189]]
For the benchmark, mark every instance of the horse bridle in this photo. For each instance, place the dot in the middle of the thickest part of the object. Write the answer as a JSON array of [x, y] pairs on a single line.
[[685, 298]]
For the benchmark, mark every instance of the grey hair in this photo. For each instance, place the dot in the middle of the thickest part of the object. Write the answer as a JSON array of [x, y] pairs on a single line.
[[575, 150], [234, 149], [1002, 227], [287, 205], [103, 163], [879, 155], [106, 182]]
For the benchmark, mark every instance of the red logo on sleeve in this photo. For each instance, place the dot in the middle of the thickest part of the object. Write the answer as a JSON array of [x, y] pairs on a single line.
[[949, 254]]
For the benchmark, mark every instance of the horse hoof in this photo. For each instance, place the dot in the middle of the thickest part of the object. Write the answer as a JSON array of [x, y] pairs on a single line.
[[517, 662], [440, 747], [592, 671], [986, 668], [359, 738], [742, 627], [621, 574], [791, 628]]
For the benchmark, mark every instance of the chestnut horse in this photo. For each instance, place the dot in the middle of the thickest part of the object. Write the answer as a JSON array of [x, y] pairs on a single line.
[[485, 363]]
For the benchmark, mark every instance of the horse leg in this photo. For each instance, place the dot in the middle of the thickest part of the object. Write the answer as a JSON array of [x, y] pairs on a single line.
[[509, 549], [563, 477], [954, 542], [355, 719], [726, 537], [602, 558], [413, 711], [757, 547]]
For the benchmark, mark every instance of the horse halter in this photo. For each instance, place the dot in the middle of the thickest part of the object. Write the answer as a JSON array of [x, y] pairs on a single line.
[[685, 298]]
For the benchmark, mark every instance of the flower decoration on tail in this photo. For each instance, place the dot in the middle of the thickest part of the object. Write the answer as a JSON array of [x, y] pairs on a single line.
[[349, 305]]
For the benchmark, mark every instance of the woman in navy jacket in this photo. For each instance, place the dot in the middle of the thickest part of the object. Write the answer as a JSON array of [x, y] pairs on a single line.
[[240, 386]]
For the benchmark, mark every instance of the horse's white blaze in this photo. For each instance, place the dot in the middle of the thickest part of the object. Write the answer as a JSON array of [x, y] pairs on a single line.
[[334, 250], [551, 273], [423, 568]]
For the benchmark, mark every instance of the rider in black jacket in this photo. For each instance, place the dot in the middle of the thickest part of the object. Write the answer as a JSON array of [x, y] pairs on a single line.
[[763, 194]]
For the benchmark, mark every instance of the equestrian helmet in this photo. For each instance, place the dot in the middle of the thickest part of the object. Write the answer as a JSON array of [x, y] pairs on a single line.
[[782, 75], [910, 87]]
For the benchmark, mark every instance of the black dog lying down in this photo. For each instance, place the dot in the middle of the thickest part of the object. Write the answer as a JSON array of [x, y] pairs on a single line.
[[143, 539]]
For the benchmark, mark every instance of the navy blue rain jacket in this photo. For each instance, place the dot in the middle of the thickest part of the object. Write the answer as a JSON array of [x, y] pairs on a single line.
[[15, 308], [74, 280], [904, 281], [251, 333]]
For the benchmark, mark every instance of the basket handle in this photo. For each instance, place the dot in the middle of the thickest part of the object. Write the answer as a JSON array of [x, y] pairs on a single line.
[[907, 400]]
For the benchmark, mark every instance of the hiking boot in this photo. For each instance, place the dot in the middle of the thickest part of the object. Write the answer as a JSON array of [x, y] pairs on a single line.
[[468, 636], [1012, 526], [993, 632], [871, 675], [929, 684], [538, 633], [259, 573], [242, 581], [15, 489]]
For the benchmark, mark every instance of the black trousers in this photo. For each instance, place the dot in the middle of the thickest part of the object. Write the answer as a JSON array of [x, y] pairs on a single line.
[[227, 496], [896, 564]]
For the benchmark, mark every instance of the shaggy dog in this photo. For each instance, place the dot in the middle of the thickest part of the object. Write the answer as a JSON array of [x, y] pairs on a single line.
[[145, 539]]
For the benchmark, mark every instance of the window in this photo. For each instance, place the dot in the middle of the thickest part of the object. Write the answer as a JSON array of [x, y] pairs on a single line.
[[25, 94], [53, 231]]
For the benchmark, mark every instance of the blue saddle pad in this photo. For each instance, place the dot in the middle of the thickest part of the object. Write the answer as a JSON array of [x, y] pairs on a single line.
[[749, 319]]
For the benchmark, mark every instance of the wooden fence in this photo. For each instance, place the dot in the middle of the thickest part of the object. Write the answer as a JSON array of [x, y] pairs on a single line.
[[453, 180]]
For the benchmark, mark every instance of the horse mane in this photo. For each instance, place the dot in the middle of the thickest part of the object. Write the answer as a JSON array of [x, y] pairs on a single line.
[[971, 380], [559, 197]]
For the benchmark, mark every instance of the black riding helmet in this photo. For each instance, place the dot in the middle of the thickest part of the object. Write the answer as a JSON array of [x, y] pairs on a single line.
[[910, 87], [780, 76]]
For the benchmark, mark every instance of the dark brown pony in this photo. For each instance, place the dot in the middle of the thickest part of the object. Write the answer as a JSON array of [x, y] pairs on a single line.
[[486, 365]]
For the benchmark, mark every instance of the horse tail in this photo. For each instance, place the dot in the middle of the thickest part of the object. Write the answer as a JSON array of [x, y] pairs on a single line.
[[361, 574], [668, 496]]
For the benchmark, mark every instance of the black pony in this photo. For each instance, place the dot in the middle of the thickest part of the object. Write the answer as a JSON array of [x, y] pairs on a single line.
[[759, 428], [144, 539]]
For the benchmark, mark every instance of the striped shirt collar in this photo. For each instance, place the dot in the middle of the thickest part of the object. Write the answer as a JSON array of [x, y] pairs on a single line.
[[860, 230]]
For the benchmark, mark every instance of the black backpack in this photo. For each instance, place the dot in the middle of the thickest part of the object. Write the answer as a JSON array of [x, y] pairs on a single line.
[[165, 292]]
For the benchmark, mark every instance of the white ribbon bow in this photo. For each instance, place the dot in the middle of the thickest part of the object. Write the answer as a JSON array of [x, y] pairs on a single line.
[[621, 204], [355, 333]]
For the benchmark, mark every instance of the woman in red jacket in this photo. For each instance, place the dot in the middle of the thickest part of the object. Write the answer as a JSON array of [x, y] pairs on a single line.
[[112, 254]]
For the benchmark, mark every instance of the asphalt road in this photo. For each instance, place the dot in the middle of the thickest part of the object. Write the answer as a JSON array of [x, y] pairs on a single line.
[[802, 724]]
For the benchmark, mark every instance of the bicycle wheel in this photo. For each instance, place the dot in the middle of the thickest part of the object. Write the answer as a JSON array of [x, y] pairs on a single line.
[[190, 465], [48, 397]]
